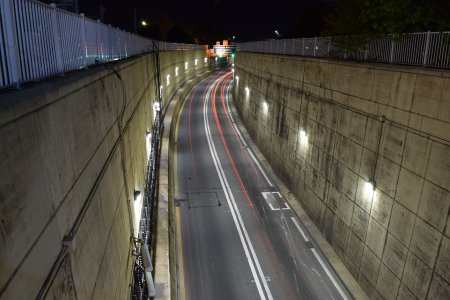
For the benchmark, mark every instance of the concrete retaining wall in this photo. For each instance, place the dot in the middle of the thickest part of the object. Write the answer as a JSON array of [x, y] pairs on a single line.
[[60, 151], [328, 128]]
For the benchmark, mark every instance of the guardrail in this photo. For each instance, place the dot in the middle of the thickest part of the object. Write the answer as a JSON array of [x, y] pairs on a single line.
[[431, 49], [38, 40]]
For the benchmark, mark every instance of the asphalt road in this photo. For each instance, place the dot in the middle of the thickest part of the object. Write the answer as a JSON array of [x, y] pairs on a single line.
[[239, 238]]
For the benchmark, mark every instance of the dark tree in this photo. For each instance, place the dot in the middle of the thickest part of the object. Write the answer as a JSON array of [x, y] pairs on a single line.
[[375, 17]]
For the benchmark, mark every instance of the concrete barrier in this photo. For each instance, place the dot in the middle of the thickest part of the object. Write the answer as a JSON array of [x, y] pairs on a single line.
[[365, 149], [62, 174]]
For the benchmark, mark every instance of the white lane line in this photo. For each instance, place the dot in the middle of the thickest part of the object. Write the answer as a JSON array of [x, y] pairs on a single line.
[[300, 229], [237, 218], [319, 259], [336, 284], [243, 141]]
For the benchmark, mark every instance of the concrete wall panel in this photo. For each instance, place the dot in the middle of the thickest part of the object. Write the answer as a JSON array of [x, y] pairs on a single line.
[[362, 122], [60, 146]]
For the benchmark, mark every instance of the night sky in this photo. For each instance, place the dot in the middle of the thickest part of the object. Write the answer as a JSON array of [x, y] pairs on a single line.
[[247, 19]]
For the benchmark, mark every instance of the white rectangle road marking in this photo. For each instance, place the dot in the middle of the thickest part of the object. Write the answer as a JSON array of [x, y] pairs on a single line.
[[274, 199]]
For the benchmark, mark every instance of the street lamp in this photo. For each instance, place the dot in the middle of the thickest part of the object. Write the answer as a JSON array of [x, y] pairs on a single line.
[[143, 23]]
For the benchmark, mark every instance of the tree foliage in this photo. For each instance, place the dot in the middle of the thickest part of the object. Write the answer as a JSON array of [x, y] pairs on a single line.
[[375, 17]]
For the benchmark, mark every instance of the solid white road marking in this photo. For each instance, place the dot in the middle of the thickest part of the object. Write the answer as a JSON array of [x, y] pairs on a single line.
[[237, 218], [300, 229], [319, 259], [336, 284]]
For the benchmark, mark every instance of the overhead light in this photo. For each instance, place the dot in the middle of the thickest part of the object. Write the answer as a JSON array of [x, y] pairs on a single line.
[[168, 79], [216, 59], [206, 60], [232, 65], [186, 64], [195, 61], [237, 78], [176, 71], [247, 91], [143, 23]]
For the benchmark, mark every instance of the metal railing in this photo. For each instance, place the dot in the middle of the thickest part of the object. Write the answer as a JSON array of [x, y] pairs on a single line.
[[430, 49], [38, 40]]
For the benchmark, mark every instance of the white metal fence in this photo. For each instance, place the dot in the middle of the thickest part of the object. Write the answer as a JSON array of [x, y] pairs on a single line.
[[39, 40], [426, 48]]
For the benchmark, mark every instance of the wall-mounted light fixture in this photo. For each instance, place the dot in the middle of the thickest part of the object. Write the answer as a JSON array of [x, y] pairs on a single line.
[[302, 134], [148, 143], [369, 189], [265, 106], [137, 211]]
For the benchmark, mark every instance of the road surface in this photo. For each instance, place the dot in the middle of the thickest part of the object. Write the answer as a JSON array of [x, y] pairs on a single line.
[[238, 238]]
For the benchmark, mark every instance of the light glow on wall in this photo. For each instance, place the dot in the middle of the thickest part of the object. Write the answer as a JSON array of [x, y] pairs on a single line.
[[265, 107], [303, 140], [369, 189], [156, 109], [148, 143]]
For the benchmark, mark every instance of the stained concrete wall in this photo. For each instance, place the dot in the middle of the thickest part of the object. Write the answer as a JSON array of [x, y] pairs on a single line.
[[330, 127], [60, 151]]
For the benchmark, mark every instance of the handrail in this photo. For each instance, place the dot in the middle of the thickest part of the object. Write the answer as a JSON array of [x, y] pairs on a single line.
[[39, 40], [429, 49]]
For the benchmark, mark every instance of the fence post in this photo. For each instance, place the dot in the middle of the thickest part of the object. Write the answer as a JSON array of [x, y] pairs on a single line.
[[303, 47], [57, 40], [427, 47], [83, 40], [315, 45], [329, 42], [391, 58], [12, 53], [345, 47]]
